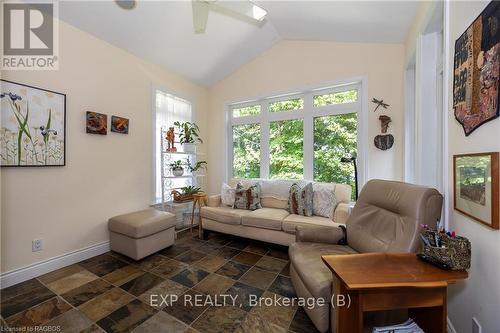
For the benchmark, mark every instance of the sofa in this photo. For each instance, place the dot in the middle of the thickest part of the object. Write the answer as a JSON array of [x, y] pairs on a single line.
[[386, 218], [272, 223]]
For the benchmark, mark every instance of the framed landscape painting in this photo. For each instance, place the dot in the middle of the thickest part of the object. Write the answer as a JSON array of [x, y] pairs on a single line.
[[476, 72], [33, 126], [477, 187]]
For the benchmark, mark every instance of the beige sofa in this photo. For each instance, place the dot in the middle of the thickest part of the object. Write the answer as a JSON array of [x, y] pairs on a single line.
[[272, 223]]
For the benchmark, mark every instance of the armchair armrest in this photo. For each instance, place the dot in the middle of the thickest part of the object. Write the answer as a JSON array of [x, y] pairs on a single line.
[[214, 200], [341, 213], [319, 234]]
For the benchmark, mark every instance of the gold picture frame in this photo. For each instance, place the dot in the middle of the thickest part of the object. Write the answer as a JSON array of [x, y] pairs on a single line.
[[476, 187]]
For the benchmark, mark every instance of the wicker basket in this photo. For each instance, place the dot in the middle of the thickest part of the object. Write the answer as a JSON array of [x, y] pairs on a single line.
[[455, 252]]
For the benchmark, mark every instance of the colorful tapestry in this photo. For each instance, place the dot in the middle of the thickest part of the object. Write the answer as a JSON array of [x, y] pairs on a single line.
[[477, 70]]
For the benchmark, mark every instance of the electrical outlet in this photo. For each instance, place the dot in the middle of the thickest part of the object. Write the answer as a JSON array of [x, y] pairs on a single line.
[[476, 328], [36, 245]]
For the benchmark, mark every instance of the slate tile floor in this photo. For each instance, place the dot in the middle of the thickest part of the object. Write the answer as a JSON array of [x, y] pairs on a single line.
[[112, 293]]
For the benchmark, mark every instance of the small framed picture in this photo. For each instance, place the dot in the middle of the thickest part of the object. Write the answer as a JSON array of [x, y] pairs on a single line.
[[119, 125], [477, 187], [96, 123]]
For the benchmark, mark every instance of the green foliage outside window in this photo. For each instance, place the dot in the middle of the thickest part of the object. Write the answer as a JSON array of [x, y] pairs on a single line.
[[246, 151], [335, 98], [291, 104], [334, 138], [286, 149], [246, 111]]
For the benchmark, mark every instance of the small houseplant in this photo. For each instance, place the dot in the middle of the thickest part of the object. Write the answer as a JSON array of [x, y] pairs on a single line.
[[186, 193], [189, 135], [177, 168], [201, 165]]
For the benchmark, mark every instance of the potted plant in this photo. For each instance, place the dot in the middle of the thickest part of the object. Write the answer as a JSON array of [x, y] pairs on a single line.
[[189, 135], [186, 193], [201, 165], [177, 168]]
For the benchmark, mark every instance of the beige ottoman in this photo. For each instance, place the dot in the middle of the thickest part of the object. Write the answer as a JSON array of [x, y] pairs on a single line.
[[141, 233]]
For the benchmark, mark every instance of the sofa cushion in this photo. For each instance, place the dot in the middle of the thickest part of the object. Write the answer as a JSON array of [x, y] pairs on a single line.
[[271, 202], [300, 199], [247, 198], [227, 195], [277, 189], [142, 223], [324, 200], [293, 220], [267, 218], [226, 215], [306, 260]]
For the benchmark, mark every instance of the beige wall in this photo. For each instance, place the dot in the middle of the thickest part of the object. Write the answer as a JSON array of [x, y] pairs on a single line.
[[105, 175], [291, 65], [422, 17], [479, 296]]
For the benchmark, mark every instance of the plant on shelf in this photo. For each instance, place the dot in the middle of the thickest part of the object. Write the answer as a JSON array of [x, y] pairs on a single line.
[[177, 168], [189, 134], [186, 193], [201, 165], [190, 190]]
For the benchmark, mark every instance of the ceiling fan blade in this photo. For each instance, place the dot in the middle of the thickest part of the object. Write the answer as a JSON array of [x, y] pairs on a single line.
[[200, 16], [241, 10], [244, 8]]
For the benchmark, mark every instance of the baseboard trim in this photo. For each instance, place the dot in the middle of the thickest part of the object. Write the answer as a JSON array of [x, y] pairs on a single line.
[[451, 328], [18, 275]]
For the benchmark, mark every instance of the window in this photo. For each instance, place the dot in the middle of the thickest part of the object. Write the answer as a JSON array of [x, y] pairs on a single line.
[[169, 109], [334, 137], [246, 111], [299, 136], [286, 149], [335, 98], [286, 105], [246, 151]]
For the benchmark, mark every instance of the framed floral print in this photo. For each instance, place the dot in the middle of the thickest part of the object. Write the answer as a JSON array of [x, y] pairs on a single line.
[[33, 126]]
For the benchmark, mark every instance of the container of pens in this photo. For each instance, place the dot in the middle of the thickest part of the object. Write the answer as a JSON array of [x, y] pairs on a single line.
[[449, 249]]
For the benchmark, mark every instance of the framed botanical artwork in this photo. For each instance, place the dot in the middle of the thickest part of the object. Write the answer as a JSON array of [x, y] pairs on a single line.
[[476, 72], [96, 123], [477, 187], [119, 125], [33, 126]]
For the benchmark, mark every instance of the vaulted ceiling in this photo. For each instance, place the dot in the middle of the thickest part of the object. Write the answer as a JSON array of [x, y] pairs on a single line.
[[162, 31]]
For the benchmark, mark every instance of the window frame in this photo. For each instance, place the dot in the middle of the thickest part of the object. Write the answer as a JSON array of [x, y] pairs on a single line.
[[307, 113]]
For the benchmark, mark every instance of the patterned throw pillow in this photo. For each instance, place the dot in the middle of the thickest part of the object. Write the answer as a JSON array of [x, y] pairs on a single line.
[[324, 201], [227, 195], [300, 200], [247, 198]]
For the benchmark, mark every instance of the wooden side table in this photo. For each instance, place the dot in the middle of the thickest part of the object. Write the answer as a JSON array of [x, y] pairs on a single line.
[[198, 198], [383, 281]]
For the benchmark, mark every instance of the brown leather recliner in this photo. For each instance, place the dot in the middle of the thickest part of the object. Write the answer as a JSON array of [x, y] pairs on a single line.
[[386, 218]]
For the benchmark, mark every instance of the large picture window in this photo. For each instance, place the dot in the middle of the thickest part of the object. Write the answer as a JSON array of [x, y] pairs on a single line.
[[297, 136]]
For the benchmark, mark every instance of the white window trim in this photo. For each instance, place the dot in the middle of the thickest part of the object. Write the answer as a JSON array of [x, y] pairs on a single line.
[[154, 87], [308, 113]]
